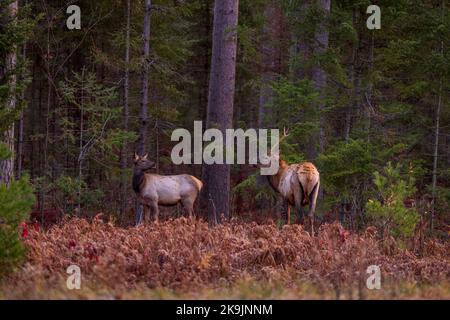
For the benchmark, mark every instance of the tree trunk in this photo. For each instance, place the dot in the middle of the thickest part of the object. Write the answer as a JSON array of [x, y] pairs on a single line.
[[124, 154], [269, 63], [320, 77], [20, 131], [369, 94], [353, 75], [301, 49], [206, 60], [436, 136], [50, 77], [435, 158], [143, 116], [80, 156], [7, 166], [19, 147], [216, 177]]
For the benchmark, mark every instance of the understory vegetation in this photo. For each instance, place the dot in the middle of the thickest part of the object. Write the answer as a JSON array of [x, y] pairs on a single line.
[[182, 258]]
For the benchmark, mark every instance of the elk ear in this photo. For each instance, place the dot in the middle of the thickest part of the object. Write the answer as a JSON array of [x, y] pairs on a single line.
[[145, 156], [136, 156]]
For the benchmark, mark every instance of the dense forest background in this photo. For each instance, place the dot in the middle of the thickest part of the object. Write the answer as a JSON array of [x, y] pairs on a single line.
[[368, 107]]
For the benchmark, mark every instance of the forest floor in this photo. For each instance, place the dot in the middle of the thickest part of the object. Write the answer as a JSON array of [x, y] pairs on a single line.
[[184, 259]]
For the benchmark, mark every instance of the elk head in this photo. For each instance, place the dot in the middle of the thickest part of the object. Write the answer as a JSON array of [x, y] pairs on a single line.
[[272, 156], [142, 163]]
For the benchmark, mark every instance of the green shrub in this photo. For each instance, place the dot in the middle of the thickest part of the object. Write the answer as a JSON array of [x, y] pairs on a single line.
[[389, 210], [15, 205]]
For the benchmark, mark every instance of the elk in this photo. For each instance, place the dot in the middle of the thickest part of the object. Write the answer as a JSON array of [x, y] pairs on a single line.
[[154, 189], [298, 184]]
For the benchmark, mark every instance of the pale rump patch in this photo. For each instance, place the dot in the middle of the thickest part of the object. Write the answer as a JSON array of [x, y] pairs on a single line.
[[308, 176], [284, 186], [198, 183]]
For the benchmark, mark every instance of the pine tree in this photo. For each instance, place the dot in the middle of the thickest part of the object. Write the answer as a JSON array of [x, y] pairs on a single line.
[[389, 210]]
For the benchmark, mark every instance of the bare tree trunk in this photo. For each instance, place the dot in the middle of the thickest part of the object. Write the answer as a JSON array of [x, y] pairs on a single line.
[[7, 166], [143, 116], [265, 100], [269, 62], [33, 110], [301, 49], [47, 117], [270, 65], [320, 77], [157, 145], [368, 97], [206, 60], [436, 136], [20, 132], [216, 177], [435, 158], [126, 78], [19, 147], [353, 75], [80, 157]]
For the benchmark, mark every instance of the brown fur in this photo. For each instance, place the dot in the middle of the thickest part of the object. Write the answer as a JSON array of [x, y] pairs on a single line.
[[302, 188], [298, 184], [154, 189], [308, 176]]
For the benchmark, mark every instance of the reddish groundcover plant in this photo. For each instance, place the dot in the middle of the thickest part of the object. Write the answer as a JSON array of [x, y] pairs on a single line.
[[180, 253], [24, 229]]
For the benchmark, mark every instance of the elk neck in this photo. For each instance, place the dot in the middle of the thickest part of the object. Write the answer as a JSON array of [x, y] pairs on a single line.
[[138, 179], [274, 180]]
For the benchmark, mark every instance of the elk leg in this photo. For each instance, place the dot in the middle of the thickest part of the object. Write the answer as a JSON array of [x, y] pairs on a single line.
[[288, 214], [284, 211], [299, 197], [312, 205], [188, 206], [139, 213], [300, 214], [145, 212], [155, 211]]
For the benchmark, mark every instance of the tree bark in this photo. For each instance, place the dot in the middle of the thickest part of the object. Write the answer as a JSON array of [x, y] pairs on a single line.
[[301, 48], [320, 77], [7, 166], [353, 75], [435, 158], [436, 136], [143, 116], [216, 177], [19, 147], [369, 92], [20, 131], [126, 112], [269, 62], [80, 156], [206, 60]]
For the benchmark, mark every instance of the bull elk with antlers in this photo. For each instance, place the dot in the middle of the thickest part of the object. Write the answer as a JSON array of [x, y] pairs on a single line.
[[154, 189], [297, 183]]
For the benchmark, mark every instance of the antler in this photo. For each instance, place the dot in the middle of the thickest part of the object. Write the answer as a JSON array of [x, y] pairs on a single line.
[[285, 134]]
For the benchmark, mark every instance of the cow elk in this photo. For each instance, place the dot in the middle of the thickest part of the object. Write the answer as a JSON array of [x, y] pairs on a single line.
[[298, 184], [154, 189]]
